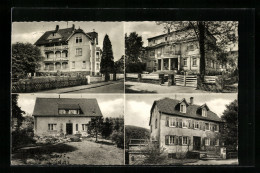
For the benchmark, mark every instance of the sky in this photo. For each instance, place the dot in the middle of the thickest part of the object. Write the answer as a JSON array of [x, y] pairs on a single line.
[[111, 105], [137, 110], [32, 31]]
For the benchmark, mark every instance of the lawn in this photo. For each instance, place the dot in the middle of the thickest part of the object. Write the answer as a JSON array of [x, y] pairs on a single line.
[[86, 152]]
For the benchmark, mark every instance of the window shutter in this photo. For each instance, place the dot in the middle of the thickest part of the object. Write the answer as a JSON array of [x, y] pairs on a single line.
[[167, 140], [180, 140], [167, 122], [189, 140], [177, 122], [192, 123], [200, 125], [175, 140]]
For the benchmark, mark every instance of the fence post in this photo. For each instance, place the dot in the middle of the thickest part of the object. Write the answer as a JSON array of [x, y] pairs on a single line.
[[184, 78], [139, 77], [170, 79], [161, 78]]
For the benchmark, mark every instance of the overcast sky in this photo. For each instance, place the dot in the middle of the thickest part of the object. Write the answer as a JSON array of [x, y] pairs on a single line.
[[32, 31], [137, 110], [111, 105]]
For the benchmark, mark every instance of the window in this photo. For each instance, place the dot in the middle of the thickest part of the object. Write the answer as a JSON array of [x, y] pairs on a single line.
[[191, 47], [77, 127], [207, 141], [52, 127], [196, 125], [84, 127], [172, 122], [97, 66], [68, 111], [217, 142], [207, 126], [153, 41], [183, 108], [184, 140], [132, 158], [185, 62], [171, 139], [152, 53], [185, 124], [165, 38], [194, 61], [79, 52], [156, 123], [204, 112], [73, 64], [84, 64], [78, 39]]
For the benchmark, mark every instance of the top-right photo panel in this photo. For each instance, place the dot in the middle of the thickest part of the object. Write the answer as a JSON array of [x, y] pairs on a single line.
[[181, 57]]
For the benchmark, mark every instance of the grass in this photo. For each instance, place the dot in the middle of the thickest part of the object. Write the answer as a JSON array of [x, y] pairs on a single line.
[[79, 153]]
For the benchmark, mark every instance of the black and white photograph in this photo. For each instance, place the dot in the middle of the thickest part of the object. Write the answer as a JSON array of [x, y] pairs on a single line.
[[181, 129], [181, 56], [71, 129], [67, 57]]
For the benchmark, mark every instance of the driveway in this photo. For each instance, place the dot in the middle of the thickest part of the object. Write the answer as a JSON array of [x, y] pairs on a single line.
[[138, 87]]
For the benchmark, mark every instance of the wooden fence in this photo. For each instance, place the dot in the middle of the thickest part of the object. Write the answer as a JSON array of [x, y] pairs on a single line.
[[150, 76], [186, 80], [35, 86], [132, 75]]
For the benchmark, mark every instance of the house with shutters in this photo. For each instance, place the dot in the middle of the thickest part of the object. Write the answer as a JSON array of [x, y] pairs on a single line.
[[54, 116], [179, 51], [182, 126], [69, 50]]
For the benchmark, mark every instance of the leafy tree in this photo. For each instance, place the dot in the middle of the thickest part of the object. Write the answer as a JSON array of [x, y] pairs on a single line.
[[107, 128], [229, 129], [17, 113], [107, 58], [133, 47], [25, 59], [95, 126], [205, 32], [119, 65]]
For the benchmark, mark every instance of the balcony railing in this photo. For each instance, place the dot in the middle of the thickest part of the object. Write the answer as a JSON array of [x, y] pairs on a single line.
[[56, 48], [56, 59]]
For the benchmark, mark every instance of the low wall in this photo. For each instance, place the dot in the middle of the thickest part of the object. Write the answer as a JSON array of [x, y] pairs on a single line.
[[210, 83], [145, 78]]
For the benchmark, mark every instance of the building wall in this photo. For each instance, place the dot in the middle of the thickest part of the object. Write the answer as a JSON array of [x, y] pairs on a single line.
[[41, 124], [86, 53], [164, 130], [155, 131]]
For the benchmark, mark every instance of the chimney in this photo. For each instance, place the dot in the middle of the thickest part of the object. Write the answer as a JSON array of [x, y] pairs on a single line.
[[73, 26], [57, 28], [191, 100], [93, 30]]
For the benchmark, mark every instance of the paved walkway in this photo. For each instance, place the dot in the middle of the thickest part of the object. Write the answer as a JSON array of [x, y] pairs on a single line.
[[81, 87], [138, 87]]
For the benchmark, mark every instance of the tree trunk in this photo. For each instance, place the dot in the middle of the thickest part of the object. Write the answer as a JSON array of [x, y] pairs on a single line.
[[107, 77], [201, 27]]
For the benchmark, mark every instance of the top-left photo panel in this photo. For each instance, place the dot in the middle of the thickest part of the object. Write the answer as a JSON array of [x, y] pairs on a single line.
[[67, 57]]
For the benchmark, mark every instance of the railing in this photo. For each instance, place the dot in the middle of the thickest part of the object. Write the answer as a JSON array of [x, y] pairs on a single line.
[[132, 75], [56, 59], [53, 48], [210, 79]]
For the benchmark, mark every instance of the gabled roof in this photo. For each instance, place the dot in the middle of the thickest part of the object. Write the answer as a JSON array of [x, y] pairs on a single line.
[[50, 106], [168, 106], [65, 34]]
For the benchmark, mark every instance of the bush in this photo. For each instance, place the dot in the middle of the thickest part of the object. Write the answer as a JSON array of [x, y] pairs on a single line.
[[21, 137], [75, 139], [118, 138]]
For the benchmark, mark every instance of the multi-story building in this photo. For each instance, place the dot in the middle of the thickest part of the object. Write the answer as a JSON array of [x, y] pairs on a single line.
[[53, 116], [179, 126], [69, 50], [179, 51]]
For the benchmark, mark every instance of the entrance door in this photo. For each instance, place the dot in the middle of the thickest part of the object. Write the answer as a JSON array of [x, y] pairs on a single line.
[[196, 143], [69, 128]]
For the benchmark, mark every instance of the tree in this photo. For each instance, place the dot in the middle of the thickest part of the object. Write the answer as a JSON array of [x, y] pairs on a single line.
[[107, 58], [119, 65], [17, 113], [107, 128], [205, 32], [229, 129], [25, 59], [133, 47], [95, 126]]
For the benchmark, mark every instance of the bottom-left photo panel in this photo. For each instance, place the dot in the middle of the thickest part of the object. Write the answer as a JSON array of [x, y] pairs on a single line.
[[67, 129]]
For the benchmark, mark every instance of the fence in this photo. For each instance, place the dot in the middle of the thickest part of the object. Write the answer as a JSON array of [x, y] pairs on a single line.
[[186, 80], [132, 75], [150, 76], [210, 79], [34, 85]]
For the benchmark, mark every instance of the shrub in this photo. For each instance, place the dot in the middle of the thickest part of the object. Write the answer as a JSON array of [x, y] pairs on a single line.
[[138, 67], [21, 137], [75, 139], [118, 138]]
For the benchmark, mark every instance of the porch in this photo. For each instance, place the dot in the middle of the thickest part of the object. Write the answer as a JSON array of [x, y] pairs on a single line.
[[55, 66], [168, 64]]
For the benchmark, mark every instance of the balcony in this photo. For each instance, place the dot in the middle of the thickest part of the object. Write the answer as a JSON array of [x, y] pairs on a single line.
[[56, 59], [56, 48]]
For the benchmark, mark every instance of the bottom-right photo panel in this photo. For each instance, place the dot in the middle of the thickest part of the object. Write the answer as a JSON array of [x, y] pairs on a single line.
[[181, 129]]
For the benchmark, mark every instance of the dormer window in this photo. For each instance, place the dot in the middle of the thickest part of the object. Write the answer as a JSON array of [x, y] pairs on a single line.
[[204, 112], [70, 111], [183, 108]]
